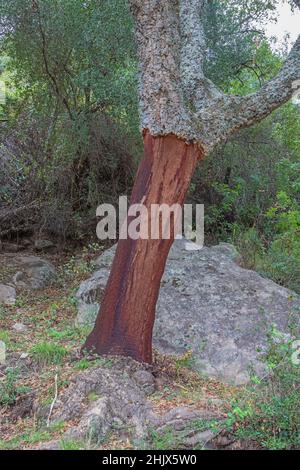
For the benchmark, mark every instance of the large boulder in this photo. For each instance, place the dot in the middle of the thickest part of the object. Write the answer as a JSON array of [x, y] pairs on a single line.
[[28, 272], [210, 305]]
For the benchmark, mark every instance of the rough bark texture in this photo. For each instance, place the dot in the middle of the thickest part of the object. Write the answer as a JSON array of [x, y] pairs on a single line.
[[182, 114], [125, 321], [175, 96]]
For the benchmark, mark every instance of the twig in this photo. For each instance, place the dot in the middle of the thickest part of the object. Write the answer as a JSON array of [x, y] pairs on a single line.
[[53, 402]]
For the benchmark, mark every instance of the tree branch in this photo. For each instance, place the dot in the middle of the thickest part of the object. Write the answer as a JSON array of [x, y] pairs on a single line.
[[175, 96], [193, 47], [256, 106], [221, 115]]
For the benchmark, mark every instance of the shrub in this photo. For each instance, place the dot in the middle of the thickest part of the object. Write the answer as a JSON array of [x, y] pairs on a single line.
[[269, 411]]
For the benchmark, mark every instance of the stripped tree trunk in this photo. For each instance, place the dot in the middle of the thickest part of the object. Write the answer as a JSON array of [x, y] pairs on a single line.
[[125, 322], [183, 117]]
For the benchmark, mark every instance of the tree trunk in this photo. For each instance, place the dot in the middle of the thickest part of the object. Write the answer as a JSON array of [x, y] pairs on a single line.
[[125, 321]]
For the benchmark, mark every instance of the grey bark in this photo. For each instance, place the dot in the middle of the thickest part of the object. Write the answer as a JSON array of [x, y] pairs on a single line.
[[175, 96]]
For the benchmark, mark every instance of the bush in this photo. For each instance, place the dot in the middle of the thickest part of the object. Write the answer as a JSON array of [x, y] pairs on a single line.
[[269, 411]]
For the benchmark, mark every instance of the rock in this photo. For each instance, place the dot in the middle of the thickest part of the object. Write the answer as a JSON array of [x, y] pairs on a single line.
[[52, 445], [203, 438], [7, 295], [23, 407], [21, 363], [89, 295], [2, 353], [210, 305], [26, 242], [145, 380], [24, 356], [20, 328], [227, 249], [122, 406], [32, 272], [41, 245], [11, 247], [121, 402]]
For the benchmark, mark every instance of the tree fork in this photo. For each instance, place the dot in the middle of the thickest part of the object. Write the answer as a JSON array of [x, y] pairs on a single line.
[[126, 317]]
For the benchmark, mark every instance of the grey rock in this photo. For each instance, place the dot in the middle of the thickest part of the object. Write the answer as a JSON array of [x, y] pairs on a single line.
[[32, 272], [226, 249], [88, 296], [41, 245], [20, 328], [2, 354], [122, 403], [200, 438], [7, 295], [21, 363], [210, 305], [145, 380], [24, 356], [11, 247], [52, 445]]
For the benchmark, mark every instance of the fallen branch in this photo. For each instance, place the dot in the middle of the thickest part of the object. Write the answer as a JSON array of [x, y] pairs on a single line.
[[53, 402]]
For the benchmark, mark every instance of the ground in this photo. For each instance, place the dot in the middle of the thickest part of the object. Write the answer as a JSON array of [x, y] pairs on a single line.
[[44, 363]]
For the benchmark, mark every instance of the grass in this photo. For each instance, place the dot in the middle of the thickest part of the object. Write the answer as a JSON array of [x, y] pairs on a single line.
[[31, 437], [83, 364], [5, 337], [8, 388], [48, 353], [164, 440], [71, 445], [93, 396], [267, 413], [186, 361], [51, 334]]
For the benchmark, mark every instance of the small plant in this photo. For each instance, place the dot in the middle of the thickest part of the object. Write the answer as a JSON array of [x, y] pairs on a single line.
[[57, 426], [48, 353], [250, 246], [31, 437], [163, 440], [8, 388], [2, 312], [268, 412], [187, 361], [93, 396], [71, 445], [5, 337], [77, 266], [83, 364]]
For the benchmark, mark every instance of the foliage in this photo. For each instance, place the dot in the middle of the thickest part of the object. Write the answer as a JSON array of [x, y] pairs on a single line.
[[235, 41], [269, 413], [8, 388], [72, 66], [251, 188], [70, 139], [71, 445]]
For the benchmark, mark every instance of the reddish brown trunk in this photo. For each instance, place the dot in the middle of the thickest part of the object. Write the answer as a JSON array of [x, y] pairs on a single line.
[[126, 317]]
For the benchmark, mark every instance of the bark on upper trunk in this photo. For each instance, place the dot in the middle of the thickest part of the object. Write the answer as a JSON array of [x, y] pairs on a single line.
[[175, 96]]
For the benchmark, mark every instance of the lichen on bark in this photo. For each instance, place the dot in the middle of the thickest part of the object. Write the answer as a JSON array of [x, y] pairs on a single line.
[[175, 96]]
